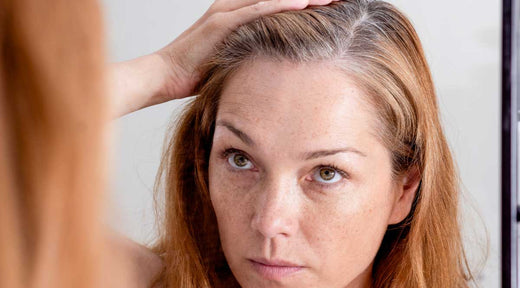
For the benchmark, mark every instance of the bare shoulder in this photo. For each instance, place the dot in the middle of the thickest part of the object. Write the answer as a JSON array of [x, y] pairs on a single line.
[[142, 261]]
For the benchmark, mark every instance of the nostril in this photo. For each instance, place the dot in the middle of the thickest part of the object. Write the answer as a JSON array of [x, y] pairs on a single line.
[[276, 207], [274, 222], [269, 226]]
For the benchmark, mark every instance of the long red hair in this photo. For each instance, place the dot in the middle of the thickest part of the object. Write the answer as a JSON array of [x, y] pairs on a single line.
[[374, 43], [52, 145]]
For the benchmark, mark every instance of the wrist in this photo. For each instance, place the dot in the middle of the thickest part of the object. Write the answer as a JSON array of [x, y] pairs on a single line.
[[137, 83], [156, 73], [179, 76]]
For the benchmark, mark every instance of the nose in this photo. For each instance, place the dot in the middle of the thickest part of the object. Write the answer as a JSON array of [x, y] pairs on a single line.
[[276, 208]]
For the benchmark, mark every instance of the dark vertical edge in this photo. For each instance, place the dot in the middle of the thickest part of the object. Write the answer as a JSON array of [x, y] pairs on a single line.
[[509, 147]]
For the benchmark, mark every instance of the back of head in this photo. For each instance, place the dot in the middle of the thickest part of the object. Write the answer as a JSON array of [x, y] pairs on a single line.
[[375, 44]]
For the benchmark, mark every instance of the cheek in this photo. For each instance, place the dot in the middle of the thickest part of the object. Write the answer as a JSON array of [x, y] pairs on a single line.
[[348, 233], [229, 206], [219, 189], [224, 191]]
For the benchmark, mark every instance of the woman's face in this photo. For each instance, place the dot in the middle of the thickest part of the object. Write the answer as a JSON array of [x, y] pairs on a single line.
[[301, 188]]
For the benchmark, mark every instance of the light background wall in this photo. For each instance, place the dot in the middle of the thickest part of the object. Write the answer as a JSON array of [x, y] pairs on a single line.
[[462, 43]]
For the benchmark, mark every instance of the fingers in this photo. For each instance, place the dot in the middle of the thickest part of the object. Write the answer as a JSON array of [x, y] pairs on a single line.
[[321, 2], [246, 14], [231, 5]]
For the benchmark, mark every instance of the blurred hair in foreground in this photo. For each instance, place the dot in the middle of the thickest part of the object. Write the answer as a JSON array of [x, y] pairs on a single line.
[[52, 146]]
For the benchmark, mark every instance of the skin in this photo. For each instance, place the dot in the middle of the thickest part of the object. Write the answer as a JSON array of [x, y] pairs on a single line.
[[142, 263], [173, 71], [271, 204]]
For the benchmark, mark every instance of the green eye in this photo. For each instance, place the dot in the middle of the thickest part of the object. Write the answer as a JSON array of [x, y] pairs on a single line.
[[240, 160], [327, 174]]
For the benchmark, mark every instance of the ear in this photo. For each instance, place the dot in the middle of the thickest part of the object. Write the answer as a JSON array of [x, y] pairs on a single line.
[[405, 191]]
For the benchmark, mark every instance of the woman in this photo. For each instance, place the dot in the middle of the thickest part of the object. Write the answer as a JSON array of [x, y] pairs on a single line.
[[53, 115], [313, 157]]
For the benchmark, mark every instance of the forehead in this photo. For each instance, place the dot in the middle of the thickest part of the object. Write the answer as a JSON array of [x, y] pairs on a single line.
[[296, 102]]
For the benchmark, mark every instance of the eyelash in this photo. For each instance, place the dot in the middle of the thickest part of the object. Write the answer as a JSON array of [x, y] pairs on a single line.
[[230, 150], [335, 168]]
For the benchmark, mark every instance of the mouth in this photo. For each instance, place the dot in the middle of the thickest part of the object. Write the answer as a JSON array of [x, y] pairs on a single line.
[[274, 269]]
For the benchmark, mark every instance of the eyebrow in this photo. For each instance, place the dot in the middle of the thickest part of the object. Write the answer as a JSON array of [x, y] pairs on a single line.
[[323, 153], [243, 136], [305, 156]]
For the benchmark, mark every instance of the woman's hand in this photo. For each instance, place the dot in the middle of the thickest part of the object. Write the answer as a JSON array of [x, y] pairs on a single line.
[[172, 72], [186, 53]]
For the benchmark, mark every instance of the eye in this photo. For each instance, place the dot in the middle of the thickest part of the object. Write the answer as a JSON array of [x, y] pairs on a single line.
[[328, 175], [239, 161]]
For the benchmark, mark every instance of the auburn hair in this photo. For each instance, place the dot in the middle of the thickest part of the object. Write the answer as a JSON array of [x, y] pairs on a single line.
[[52, 146], [373, 43]]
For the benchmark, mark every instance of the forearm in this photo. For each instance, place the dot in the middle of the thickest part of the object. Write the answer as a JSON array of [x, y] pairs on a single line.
[[173, 72], [137, 83]]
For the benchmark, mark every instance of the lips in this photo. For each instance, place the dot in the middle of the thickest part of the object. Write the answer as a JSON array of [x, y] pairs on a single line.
[[275, 269]]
